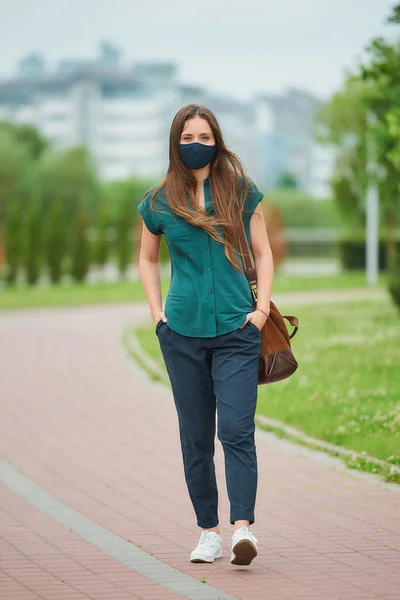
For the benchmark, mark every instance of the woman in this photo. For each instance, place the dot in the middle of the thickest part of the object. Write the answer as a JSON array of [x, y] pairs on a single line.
[[209, 334]]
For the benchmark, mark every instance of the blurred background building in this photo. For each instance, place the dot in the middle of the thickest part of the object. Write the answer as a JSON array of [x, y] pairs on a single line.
[[123, 115], [286, 143]]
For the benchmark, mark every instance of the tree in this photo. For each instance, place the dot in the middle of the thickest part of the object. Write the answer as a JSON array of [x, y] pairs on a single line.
[[13, 249], [363, 122], [393, 121], [124, 235], [15, 167], [28, 136], [342, 122], [101, 246], [70, 176], [117, 191], [80, 246], [54, 240], [394, 282], [382, 100], [32, 240], [20, 147]]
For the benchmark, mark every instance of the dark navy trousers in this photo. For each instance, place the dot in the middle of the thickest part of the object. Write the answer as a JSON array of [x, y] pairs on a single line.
[[210, 376]]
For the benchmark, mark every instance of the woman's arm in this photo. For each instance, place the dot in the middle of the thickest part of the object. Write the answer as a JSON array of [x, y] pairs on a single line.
[[149, 270], [264, 264]]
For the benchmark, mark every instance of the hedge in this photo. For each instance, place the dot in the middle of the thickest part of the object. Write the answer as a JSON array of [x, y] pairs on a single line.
[[352, 253]]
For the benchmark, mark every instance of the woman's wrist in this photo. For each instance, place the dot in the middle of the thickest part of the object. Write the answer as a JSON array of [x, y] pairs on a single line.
[[156, 315], [263, 311]]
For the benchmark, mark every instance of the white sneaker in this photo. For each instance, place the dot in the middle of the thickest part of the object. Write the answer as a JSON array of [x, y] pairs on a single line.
[[208, 549], [244, 546]]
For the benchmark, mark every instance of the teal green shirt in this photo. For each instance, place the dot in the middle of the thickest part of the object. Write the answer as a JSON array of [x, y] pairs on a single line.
[[207, 296]]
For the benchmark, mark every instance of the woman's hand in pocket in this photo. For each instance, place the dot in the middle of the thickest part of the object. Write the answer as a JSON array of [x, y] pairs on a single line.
[[257, 318]]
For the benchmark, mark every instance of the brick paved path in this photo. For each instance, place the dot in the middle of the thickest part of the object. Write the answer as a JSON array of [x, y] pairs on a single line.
[[84, 424]]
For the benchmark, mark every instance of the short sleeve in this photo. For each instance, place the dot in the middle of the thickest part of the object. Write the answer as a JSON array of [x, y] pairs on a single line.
[[148, 215], [254, 196]]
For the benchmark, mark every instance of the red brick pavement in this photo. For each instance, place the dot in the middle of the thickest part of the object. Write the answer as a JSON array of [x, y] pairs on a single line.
[[42, 559], [88, 427]]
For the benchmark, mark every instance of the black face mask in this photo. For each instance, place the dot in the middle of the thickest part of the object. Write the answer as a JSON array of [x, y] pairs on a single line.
[[196, 155]]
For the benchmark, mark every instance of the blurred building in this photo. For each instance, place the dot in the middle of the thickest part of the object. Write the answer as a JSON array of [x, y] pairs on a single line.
[[238, 127], [322, 166], [286, 144], [123, 115]]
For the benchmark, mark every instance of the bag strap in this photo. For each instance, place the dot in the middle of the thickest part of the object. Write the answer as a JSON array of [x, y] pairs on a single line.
[[248, 260], [294, 323], [251, 274]]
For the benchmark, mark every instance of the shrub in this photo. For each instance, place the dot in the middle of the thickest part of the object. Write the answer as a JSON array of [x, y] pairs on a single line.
[[32, 240], [101, 247], [12, 231], [54, 240], [352, 252], [124, 241], [394, 281], [80, 246]]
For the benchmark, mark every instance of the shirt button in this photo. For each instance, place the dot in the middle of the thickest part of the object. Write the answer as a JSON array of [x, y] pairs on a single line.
[[208, 268], [210, 291]]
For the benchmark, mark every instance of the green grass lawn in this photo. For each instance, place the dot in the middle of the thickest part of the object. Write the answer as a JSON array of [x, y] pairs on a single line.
[[125, 291], [347, 388], [73, 294]]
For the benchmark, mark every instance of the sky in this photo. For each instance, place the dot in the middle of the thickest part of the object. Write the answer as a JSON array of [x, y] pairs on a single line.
[[239, 48]]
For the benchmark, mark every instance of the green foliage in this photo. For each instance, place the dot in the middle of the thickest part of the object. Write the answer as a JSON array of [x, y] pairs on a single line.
[[54, 240], [101, 246], [348, 201], [393, 122], [20, 148], [80, 245], [28, 136], [164, 252], [381, 71], [28, 163], [70, 176], [302, 211], [395, 16], [13, 247], [32, 240], [124, 242], [342, 122], [15, 169], [352, 251], [394, 279], [287, 181], [363, 122], [119, 191]]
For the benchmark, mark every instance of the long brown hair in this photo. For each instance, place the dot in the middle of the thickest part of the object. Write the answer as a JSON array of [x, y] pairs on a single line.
[[228, 183]]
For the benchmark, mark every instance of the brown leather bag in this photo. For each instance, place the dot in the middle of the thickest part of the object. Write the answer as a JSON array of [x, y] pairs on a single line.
[[276, 357]]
